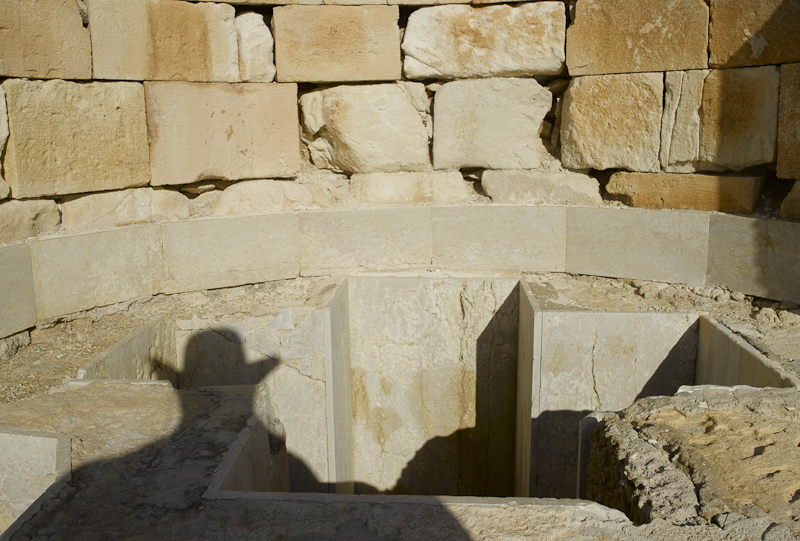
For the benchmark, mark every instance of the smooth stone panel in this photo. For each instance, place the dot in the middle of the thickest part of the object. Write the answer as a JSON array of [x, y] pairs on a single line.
[[666, 246], [789, 123], [17, 300], [500, 238], [225, 252], [81, 272], [755, 256], [359, 240]]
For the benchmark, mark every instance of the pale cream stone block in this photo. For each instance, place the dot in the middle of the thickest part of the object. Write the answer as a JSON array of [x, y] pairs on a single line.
[[494, 238], [163, 40], [225, 252], [382, 239], [492, 123], [99, 141], [85, 271], [620, 36], [790, 208], [222, 131], [665, 246], [31, 218], [106, 210], [611, 121], [680, 123], [256, 61], [17, 299], [411, 187], [44, 39], [169, 205], [464, 41], [540, 188], [250, 197], [788, 123], [337, 43]]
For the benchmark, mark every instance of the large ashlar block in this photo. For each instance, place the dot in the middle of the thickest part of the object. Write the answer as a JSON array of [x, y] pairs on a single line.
[[370, 128], [746, 33], [754, 256], [17, 299], [788, 123], [623, 36], [464, 41], [163, 40], [225, 252], [666, 246], [541, 188], [106, 210], [256, 60], [222, 131], [680, 123], [367, 240], [81, 272], [31, 218], [611, 121], [337, 43], [491, 123], [44, 39], [495, 238], [695, 192], [98, 142]]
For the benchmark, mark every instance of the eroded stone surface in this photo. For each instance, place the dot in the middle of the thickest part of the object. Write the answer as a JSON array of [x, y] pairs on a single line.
[[256, 62], [463, 41], [680, 123], [20, 220], [411, 188], [106, 210], [537, 188], [4, 188], [788, 122]]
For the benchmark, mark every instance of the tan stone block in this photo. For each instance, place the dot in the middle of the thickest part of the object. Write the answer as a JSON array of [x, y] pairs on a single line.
[[621, 36], [411, 187], [25, 219], [4, 188], [493, 123], [222, 131], [44, 39], [17, 300], [789, 122], [680, 123], [695, 192], [539, 188], [739, 118], [163, 40], [169, 205], [747, 33], [107, 210], [99, 141], [790, 208], [256, 60], [464, 41], [337, 43], [611, 121]]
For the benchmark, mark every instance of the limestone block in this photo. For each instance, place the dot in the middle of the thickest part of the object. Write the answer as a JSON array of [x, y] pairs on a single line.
[[45, 39], [540, 188], [163, 40], [666, 246], [744, 33], [620, 36], [169, 206], [411, 187], [790, 208], [370, 128], [611, 121], [336, 43], [788, 123], [463, 41], [4, 188], [494, 238], [221, 131], [739, 118], [680, 123], [381, 239], [24, 219], [250, 197], [225, 252], [106, 210], [696, 192], [492, 123], [98, 143], [17, 299], [85, 271], [256, 62]]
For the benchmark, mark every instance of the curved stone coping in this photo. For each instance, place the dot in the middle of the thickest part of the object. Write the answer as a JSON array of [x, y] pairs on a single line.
[[46, 278]]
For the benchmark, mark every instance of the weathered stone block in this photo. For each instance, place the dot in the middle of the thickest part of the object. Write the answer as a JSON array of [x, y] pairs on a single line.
[[744, 33], [24, 219], [464, 41], [222, 131], [612, 121], [163, 40], [695, 192], [492, 123], [620, 36], [169, 205], [106, 210], [45, 39], [98, 143], [788, 123], [17, 299], [225, 252], [337, 43], [680, 123], [411, 188], [81, 272], [790, 208], [367, 129], [496, 238], [666, 246], [256, 62], [4, 188], [250, 197], [540, 188]]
